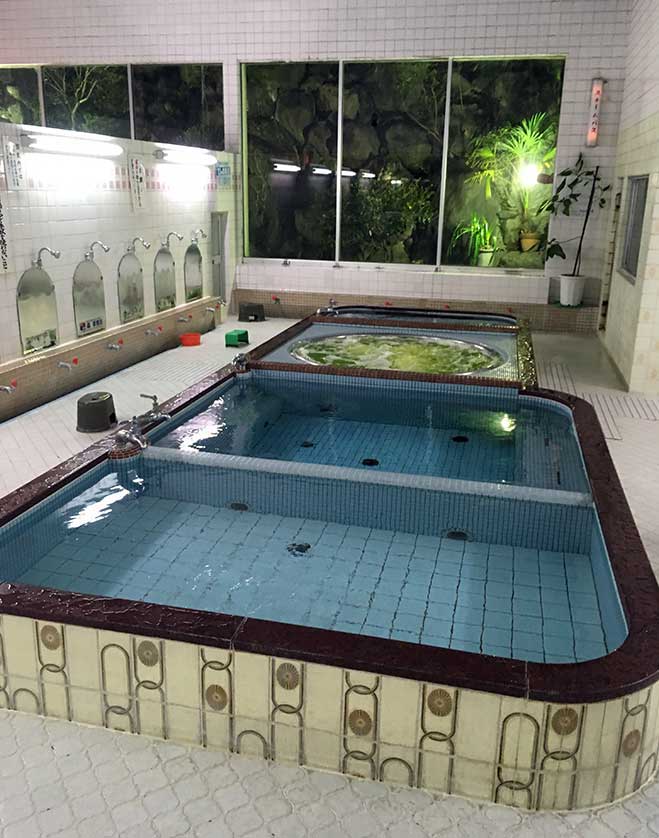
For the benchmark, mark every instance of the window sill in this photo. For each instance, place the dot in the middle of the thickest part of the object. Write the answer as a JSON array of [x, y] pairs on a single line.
[[467, 270]]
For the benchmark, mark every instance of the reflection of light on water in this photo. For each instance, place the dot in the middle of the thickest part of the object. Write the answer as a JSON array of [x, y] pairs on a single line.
[[96, 511], [208, 429], [508, 423]]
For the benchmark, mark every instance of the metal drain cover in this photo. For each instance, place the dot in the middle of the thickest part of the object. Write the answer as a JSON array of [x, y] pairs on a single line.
[[298, 549], [238, 506], [370, 461]]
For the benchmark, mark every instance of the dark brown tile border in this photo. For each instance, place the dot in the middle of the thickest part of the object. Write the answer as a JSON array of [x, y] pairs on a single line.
[[634, 665]]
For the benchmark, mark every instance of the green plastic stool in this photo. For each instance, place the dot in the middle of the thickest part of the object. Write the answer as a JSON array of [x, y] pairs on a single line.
[[235, 337]]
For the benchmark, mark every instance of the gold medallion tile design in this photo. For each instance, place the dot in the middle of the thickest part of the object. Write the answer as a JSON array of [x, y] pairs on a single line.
[[530, 754]]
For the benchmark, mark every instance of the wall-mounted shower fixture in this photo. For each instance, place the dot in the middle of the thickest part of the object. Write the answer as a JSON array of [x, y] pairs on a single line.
[[68, 365], [165, 241], [131, 247], [9, 388], [115, 347], [184, 318], [89, 255], [38, 262], [197, 234]]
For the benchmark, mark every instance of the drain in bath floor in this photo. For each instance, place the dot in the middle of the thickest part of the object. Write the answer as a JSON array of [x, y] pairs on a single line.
[[307, 444], [238, 506], [460, 438], [370, 461], [457, 535], [298, 549]]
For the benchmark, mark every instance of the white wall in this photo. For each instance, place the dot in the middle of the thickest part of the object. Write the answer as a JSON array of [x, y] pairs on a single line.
[[590, 33], [632, 328], [69, 202]]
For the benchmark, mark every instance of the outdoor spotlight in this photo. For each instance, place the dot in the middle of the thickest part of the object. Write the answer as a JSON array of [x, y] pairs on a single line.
[[528, 174]]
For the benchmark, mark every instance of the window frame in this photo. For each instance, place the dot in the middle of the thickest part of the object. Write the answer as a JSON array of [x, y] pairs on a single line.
[[633, 221], [438, 266]]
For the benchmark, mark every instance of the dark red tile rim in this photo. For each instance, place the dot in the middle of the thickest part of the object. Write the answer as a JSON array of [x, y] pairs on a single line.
[[633, 666]]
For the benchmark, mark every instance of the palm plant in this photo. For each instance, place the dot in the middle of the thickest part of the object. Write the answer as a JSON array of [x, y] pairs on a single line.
[[479, 234], [497, 158]]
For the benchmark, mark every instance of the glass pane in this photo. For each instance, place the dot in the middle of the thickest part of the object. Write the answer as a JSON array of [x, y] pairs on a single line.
[[130, 288], [179, 103], [88, 298], [87, 98], [504, 121], [19, 96], [164, 279], [638, 190], [37, 310], [291, 155], [392, 160]]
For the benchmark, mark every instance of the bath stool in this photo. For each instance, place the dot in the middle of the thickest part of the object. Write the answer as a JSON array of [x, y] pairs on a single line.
[[96, 412], [236, 337], [251, 313]]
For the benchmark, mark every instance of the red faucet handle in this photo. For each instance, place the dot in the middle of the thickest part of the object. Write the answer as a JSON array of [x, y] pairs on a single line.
[[387, 302], [446, 305], [75, 361], [218, 306], [120, 341], [190, 316], [159, 328], [13, 383]]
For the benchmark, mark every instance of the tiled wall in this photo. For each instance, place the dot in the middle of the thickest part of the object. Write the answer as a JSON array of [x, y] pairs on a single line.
[[591, 35], [632, 328], [525, 753], [69, 202]]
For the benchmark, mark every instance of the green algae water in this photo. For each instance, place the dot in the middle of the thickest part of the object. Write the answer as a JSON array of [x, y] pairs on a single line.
[[399, 352]]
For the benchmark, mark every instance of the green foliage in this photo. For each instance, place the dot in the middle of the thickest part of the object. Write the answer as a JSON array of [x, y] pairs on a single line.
[[575, 181], [479, 234], [19, 96], [87, 98], [380, 215]]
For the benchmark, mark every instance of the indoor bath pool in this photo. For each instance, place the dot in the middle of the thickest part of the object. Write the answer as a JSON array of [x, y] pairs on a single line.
[[383, 575]]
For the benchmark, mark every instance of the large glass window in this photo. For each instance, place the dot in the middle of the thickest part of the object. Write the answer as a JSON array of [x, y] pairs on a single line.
[[87, 98], [503, 123], [19, 95], [179, 103], [503, 126], [393, 123], [291, 159]]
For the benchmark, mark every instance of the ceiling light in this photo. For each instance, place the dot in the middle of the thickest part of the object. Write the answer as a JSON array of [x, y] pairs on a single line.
[[70, 145], [396, 181], [367, 175], [348, 173], [286, 167], [321, 170], [181, 154]]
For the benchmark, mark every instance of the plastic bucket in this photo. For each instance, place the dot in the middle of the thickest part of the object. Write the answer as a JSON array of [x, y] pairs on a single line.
[[190, 339]]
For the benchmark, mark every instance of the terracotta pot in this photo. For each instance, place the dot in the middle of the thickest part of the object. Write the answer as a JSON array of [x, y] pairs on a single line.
[[529, 241]]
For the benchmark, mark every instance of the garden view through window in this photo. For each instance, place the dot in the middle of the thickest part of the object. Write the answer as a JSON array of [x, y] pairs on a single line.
[[503, 124]]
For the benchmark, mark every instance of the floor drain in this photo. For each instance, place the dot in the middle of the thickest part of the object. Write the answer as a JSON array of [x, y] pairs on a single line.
[[328, 408], [237, 506], [369, 461], [307, 444], [298, 549], [460, 438], [457, 535]]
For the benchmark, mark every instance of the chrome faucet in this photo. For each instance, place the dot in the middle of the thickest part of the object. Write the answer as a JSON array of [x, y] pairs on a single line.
[[38, 262], [131, 247], [89, 255], [131, 436], [169, 235], [8, 388], [240, 361], [115, 347], [212, 309], [65, 365], [155, 414], [197, 234], [151, 332]]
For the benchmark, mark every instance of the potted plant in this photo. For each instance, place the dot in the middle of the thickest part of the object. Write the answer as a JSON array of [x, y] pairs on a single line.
[[575, 182], [481, 244]]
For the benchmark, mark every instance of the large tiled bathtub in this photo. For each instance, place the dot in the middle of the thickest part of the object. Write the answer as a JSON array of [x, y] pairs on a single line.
[[396, 576]]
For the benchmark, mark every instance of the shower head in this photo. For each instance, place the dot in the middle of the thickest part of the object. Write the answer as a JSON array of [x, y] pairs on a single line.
[[169, 235], [89, 255], [54, 253], [145, 244], [198, 234]]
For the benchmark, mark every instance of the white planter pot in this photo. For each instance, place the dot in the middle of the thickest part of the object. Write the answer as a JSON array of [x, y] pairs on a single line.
[[571, 289], [485, 258]]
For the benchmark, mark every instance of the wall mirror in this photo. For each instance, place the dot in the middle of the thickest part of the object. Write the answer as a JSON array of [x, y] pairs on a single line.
[[164, 279], [37, 310], [130, 288], [88, 298], [192, 273]]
